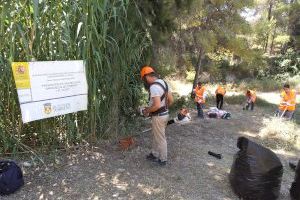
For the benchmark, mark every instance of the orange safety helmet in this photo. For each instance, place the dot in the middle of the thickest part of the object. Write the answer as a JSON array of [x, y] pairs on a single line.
[[146, 70]]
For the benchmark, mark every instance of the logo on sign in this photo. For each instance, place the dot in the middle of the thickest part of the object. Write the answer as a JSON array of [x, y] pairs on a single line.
[[47, 108], [21, 69]]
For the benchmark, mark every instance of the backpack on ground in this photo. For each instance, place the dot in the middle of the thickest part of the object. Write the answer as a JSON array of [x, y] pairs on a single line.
[[226, 116], [11, 177]]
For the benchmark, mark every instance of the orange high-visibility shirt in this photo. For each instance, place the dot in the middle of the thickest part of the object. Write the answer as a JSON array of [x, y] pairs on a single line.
[[288, 98], [199, 92], [220, 90], [252, 95]]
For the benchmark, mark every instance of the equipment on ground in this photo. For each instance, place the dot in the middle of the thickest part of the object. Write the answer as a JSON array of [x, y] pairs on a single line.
[[216, 155], [11, 177], [126, 143], [214, 112]]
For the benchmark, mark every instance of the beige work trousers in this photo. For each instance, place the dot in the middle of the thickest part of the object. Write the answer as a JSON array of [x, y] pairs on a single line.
[[159, 141]]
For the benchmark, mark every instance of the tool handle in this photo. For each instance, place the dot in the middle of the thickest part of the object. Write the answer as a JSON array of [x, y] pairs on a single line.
[[217, 155]]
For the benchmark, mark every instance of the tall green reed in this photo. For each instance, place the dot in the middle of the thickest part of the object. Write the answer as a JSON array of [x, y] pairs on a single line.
[[104, 33]]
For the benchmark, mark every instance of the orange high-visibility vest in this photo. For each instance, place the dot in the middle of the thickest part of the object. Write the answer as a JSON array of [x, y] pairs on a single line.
[[220, 90], [252, 95], [199, 92], [288, 98]]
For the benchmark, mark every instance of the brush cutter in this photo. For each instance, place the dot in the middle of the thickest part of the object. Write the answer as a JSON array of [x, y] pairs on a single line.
[[285, 109], [283, 112]]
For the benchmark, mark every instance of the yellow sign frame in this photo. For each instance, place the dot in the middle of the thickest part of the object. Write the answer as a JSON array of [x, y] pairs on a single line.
[[21, 75]]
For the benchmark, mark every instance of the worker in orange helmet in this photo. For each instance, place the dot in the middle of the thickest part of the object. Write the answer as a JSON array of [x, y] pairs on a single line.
[[200, 96], [160, 98], [220, 93], [287, 104], [250, 99]]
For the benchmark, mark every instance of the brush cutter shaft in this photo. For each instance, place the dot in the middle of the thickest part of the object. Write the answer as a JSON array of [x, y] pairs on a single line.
[[286, 104], [282, 114]]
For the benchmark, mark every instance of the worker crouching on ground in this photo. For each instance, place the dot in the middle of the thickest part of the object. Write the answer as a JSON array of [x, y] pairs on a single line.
[[220, 93], [200, 95], [287, 105], [182, 117], [250, 99], [160, 98]]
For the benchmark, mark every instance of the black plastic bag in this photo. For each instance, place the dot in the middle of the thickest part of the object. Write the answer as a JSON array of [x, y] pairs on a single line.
[[212, 115], [295, 189], [256, 172], [11, 177]]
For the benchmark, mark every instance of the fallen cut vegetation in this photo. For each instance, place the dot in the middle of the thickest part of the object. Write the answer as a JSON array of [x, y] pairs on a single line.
[[280, 133]]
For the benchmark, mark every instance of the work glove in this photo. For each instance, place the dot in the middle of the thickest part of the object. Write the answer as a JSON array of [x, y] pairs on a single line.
[[146, 114], [142, 112], [286, 103]]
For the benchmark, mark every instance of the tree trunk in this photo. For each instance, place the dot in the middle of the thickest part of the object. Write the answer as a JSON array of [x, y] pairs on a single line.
[[197, 69], [294, 27], [272, 42], [269, 19], [179, 50], [154, 57]]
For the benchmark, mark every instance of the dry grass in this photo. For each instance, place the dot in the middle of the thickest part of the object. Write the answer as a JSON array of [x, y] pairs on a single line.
[[279, 133]]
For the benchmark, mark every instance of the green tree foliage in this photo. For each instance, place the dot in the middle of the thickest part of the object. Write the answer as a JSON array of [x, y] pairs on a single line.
[[294, 25], [159, 21], [277, 24], [283, 66], [215, 27], [277, 32], [215, 33]]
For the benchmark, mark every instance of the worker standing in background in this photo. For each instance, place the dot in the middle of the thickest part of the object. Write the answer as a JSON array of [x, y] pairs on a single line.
[[220, 93], [200, 95], [250, 99], [287, 104]]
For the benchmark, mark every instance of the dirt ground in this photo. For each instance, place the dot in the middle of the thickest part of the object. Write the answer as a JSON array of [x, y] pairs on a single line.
[[105, 172]]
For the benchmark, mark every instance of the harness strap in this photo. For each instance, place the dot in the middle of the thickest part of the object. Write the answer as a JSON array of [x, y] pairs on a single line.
[[164, 96]]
